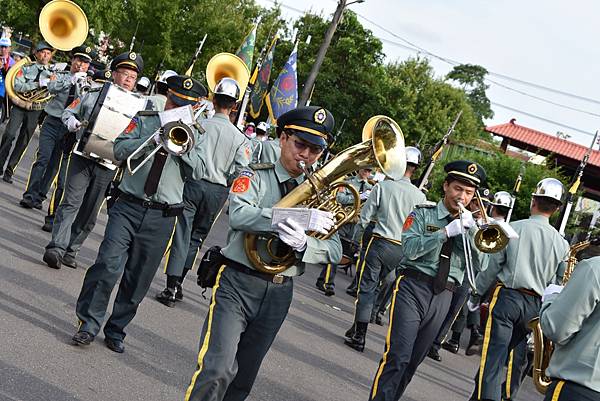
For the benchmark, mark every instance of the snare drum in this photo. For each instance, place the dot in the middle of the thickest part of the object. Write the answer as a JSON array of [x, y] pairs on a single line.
[[110, 116]]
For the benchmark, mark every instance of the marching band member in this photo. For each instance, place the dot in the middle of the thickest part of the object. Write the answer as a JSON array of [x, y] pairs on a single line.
[[226, 150], [516, 299], [87, 180], [248, 306], [389, 204], [65, 88], [432, 267], [570, 318], [32, 76], [140, 222], [325, 281]]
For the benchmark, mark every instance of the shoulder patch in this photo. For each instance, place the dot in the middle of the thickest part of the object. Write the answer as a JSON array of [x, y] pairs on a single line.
[[74, 103], [409, 221], [261, 166], [132, 124], [240, 184], [247, 173], [426, 205]]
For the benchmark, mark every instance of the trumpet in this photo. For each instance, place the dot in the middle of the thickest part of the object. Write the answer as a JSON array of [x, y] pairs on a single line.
[[175, 137]]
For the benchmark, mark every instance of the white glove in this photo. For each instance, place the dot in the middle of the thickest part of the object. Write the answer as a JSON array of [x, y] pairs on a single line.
[[73, 124], [78, 76], [365, 195], [321, 221], [43, 82], [454, 228], [471, 306], [157, 138], [552, 289], [292, 234]]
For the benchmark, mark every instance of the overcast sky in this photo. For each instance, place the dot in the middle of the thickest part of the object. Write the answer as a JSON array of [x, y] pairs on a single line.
[[549, 43]]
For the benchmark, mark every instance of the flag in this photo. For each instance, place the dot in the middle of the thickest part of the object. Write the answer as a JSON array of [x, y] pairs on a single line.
[[261, 83], [246, 50], [284, 92]]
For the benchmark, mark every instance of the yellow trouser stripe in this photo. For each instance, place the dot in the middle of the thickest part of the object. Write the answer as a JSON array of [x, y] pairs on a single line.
[[387, 341], [486, 340], [328, 273], [66, 175], [509, 372], [168, 248], [206, 341], [557, 390], [362, 269], [37, 154]]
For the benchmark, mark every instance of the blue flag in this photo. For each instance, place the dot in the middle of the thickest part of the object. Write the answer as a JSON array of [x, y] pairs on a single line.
[[284, 92]]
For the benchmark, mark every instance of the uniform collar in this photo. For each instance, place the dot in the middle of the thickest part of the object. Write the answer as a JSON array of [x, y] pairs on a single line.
[[221, 116], [442, 212], [281, 172], [540, 218], [404, 178]]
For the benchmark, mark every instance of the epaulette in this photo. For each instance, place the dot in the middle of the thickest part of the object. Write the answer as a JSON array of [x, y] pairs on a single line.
[[426, 205], [147, 113], [98, 89], [261, 166]]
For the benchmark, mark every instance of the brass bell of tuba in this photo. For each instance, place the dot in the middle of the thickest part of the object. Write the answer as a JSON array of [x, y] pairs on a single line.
[[382, 147], [63, 25], [227, 65], [490, 238]]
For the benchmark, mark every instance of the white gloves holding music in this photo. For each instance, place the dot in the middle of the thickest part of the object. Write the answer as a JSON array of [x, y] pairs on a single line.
[[294, 234], [73, 124]]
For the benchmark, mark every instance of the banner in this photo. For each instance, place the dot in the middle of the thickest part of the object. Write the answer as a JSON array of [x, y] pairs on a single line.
[[262, 82], [246, 50], [284, 93]]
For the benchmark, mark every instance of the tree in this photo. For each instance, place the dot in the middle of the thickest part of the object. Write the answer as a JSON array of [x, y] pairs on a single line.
[[472, 80]]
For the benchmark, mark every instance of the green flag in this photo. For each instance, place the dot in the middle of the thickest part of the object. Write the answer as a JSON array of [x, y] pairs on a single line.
[[261, 82], [246, 50]]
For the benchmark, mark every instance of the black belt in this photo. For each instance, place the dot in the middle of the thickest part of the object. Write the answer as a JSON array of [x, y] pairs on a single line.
[[148, 204], [426, 278], [272, 278]]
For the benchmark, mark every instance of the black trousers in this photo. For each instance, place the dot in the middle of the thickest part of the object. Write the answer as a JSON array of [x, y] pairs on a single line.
[[506, 327], [416, 317], [134, 242], [22, 122], [561, 390], [459, 298]]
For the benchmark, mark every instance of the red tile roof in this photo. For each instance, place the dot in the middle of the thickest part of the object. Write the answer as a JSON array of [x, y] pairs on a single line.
[[546, 142]]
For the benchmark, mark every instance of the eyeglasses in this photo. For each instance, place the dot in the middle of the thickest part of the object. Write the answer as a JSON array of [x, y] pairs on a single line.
[[301, 146], [4, 47], [127, 75]]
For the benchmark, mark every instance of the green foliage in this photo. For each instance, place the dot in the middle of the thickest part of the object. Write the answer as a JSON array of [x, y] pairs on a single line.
[[502, 171], [472, 79]]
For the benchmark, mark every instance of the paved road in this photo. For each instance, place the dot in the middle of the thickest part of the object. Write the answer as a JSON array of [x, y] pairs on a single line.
[[308, 361]]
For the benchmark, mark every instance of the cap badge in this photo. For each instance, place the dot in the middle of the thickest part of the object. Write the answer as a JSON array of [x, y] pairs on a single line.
[[88, 50], [187, 84], [107, 74], [320, 116], [472, 169], [132, 56]]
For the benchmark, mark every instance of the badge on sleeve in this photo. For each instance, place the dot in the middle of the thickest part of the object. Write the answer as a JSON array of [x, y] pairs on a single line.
[[241, 184], [132, 124], [248, 152], [409, 221], [74, 103]]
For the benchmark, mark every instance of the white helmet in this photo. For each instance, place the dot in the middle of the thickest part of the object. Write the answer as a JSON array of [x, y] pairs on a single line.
[[262, 126], [144, 82], [228, 87], [549, 188], [166, 74], [413, 155], [502, 199]]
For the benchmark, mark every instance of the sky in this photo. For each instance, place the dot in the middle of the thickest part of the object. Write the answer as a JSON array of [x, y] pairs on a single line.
[[551, 43]]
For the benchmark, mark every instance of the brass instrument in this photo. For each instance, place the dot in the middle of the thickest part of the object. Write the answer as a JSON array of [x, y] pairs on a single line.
[[227, 65], [382, 147], [542, 346], [490, 238], [63, 25]]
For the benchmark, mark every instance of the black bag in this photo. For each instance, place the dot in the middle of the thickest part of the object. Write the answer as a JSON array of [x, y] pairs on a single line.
[[209, 267]]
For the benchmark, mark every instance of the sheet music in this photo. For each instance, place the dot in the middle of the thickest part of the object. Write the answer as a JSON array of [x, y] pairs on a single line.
[[185, 114], [118, 108]]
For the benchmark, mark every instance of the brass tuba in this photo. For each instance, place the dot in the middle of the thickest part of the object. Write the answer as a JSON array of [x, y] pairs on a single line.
[[63, 25], [542, 346], [227, 65], [490, 238], [382, 147]]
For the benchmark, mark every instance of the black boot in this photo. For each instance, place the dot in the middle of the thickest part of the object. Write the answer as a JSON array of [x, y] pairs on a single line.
[[178, 293], [434, 354], [48, 222], [379, 318], [350, 332], [357, 341], [475, 342], [453, 344], [167, 297]]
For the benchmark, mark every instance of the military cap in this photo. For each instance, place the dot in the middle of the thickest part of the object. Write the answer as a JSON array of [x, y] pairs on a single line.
[[5, 42], [310, 123], [102, 76], [131, 60], [184, 90], [43, 46], [466, 171], [83, 52]]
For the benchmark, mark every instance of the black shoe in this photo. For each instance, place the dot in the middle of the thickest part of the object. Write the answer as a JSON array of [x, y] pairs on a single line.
[[329, 291], [37, 205], [434, 354], [379, 319], [52, 258], [7, 177], [26, 203], [48, 225], [178, 293], [82, 338], [114, 345], [357, 341], [351, 291], [320, 286], [350, 332], [475, 342], [69, 261], [451, 346], [166, 297]]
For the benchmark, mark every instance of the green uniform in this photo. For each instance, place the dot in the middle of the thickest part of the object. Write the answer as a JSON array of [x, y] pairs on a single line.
[[267, 151], [524, 268], [248, 307], [137, 233], [21, 121], [571, 320]]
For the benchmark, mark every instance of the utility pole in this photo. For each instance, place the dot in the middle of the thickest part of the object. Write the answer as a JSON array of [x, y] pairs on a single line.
[[312, 77]]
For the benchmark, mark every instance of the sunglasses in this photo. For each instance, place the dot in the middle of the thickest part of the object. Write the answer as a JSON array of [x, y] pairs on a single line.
[[302, 146]]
